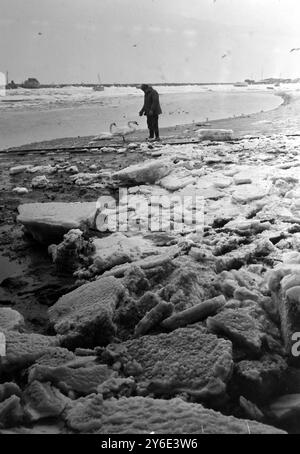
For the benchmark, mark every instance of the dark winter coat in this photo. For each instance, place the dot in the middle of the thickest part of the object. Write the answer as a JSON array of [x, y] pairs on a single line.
[[151, 103]]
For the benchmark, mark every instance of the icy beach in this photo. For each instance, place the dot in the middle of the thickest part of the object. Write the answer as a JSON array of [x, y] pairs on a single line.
[[174, 326], [44, 114]]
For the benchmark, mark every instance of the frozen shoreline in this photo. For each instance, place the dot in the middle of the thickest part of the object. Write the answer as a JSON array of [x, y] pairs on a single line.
[[252, 218], [251, 190], [20, 127]]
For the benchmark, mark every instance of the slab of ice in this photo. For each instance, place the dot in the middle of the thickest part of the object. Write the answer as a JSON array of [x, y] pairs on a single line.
[[242, 178], [278, 211], [40, 182], [19, 169], [147, 172], [48, 222], [293, 194], [10, 319], [215, 134], [20, 190], [177, 180], [248, 192], [118, 248], [222, 182], [85, 178], [42, 169]]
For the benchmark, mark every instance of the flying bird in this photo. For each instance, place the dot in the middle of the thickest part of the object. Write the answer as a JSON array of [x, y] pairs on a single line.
[[295, 49], [227, 54], [40, 33]]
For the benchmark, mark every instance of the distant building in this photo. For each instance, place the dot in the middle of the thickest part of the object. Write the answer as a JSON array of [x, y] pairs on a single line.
[[240, 84], [11, 85], [31, 83]]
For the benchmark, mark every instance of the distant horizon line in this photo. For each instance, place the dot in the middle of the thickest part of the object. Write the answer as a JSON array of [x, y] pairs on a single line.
[[136, 84]]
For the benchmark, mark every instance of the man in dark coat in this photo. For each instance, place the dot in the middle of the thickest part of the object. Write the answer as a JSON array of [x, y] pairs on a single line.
[[152, 110]]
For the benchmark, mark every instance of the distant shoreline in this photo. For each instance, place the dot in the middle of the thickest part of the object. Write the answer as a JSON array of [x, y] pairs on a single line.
[[156, 84], [162, 84]]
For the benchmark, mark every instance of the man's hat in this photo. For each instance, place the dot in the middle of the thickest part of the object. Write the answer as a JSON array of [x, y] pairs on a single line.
[[144, 86]]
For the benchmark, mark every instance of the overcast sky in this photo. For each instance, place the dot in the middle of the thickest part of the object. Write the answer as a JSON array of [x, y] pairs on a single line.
[[149, 40]]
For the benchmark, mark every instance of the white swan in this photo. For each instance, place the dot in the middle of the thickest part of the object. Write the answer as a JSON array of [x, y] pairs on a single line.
[[102, 136], [123, 130]]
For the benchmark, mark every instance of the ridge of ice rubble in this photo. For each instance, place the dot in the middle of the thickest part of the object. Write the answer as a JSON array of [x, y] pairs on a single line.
[[161, 323]]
